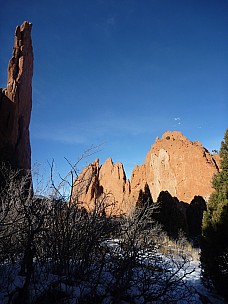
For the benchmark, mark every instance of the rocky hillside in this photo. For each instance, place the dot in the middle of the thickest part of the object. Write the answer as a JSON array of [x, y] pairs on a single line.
[[173, 164]]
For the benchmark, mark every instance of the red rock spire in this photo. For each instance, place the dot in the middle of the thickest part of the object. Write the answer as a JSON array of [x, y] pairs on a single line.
[[16, 102]]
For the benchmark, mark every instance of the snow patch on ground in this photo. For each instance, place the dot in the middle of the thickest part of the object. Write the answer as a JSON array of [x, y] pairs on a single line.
[[153, 265]]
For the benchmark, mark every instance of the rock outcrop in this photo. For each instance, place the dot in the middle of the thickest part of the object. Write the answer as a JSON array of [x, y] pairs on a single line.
[[179, 166], [106, 183], [16, 102], [174, 164]]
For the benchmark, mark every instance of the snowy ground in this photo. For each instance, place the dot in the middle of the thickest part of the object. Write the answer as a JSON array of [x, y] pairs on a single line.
[[203, 295], [189, 274]]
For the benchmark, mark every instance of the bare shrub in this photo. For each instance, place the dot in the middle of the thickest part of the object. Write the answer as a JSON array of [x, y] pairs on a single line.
[[52, 245]]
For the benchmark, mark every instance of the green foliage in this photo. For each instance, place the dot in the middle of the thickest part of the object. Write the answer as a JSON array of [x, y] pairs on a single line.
[[214, 254]]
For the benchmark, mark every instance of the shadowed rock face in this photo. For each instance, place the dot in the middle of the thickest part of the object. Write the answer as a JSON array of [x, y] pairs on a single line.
[[16, 102], [174, 164]]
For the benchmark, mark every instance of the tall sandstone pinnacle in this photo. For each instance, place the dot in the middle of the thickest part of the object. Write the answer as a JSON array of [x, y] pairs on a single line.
[[16, 102], [173, 164]]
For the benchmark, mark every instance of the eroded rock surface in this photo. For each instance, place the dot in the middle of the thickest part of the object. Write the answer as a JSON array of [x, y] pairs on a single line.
[[16, 102]]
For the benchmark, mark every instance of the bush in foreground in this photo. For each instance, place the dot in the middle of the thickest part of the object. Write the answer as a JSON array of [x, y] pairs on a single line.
[[53, 251]]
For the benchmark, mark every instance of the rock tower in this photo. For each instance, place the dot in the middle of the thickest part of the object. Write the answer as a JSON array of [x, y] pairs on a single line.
[[16, 102]]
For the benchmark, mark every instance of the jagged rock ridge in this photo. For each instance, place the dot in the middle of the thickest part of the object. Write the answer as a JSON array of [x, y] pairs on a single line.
[[173, 164], [16, 102], [103, 182]]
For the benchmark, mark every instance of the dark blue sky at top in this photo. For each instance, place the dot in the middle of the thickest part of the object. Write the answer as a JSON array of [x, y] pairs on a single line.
[[120, 73]]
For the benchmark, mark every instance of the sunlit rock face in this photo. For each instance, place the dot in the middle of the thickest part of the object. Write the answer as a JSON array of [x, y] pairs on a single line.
[[174, 164], [182, 167], [113, 181], [105, 184], [16, 102]]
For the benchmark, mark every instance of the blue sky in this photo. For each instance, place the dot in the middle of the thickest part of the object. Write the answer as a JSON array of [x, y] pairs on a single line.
[[121, 72]]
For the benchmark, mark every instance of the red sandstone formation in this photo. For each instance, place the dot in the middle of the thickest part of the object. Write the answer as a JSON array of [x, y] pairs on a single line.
[[16, 102], [174, 164], [177, 165], [107, 182]]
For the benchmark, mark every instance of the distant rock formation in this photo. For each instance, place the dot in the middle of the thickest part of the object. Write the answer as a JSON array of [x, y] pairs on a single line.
[[16, 102], [177, 165], [107, 181], [174, 164]]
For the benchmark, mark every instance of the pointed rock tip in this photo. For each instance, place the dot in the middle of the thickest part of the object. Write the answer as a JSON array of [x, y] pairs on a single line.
[[26, 25], [109, 160]]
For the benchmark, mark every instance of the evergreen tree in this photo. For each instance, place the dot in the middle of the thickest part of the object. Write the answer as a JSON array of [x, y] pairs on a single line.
[[144, 198], [147, 196], [169, 215], [214, 247], [139, 203], [194, 215]]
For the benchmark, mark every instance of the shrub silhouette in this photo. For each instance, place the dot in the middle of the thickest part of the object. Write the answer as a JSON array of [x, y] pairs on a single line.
[[144, 198], [194, 215], [169, 215]]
